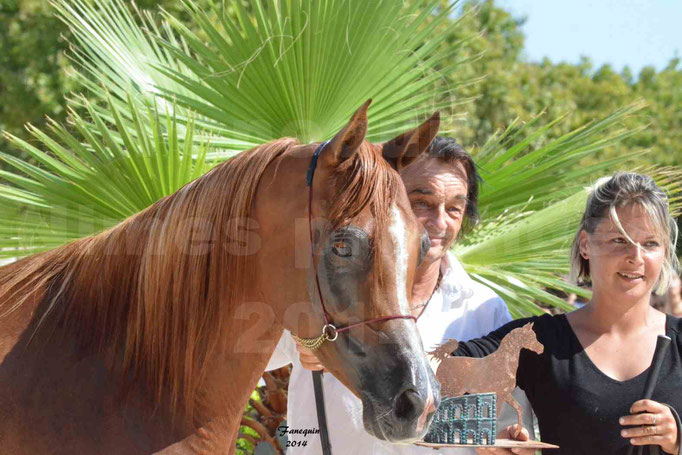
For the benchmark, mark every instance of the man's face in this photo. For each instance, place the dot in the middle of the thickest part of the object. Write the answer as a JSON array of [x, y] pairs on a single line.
[[438, 195]]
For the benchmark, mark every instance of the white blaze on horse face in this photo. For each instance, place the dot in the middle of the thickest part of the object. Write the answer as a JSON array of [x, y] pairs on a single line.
[[399, 234], [429, 407]]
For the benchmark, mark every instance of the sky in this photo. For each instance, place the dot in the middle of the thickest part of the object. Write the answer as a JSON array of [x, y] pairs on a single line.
[[636, 33]]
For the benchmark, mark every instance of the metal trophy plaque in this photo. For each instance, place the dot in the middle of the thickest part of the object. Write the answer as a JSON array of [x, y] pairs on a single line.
[[473, 390]]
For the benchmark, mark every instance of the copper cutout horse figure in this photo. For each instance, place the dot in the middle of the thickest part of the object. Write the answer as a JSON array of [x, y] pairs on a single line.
[[493, 373]]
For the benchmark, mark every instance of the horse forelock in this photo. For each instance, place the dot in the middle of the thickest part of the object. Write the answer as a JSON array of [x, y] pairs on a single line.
[[153, 292], [364, 181], [365, 184]]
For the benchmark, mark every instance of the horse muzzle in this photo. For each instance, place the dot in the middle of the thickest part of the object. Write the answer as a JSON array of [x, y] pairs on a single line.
[[405, 419], [400, 405]]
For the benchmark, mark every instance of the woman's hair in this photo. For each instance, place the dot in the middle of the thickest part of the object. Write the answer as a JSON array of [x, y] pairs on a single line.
[[611, 193], [447, 150]]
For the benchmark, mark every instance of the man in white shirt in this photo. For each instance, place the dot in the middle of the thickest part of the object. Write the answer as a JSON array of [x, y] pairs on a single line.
[[442, 186]]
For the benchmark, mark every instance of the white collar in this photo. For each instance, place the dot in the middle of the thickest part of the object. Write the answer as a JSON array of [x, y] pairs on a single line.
[[456, 284]]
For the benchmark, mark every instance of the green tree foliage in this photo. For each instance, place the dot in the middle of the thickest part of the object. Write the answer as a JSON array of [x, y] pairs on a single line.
[[35, 68], [511, 88], [34, 78]]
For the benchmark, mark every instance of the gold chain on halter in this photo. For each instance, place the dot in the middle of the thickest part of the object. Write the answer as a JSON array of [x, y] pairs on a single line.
[[329, 333]]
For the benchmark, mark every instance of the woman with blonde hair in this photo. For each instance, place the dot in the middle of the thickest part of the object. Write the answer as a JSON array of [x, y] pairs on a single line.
[[585, 388]]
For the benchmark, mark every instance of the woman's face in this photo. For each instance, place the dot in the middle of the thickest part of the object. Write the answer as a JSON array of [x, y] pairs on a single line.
[[618, 267]]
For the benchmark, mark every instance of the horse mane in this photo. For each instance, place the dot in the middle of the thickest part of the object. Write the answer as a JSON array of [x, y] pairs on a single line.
[[443, 350], [151, 294]]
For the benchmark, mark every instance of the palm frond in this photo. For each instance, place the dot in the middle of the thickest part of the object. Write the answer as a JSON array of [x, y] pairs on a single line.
[[516, 175], [300, 67], [114, 50], [258, 76], [80, 187], [292, 68]]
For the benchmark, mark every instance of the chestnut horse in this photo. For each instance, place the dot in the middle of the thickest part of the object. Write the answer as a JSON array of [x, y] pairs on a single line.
[[149, 337], [493, 373]]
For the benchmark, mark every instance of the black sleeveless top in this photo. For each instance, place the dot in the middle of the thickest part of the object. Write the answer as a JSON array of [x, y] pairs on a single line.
[[577, 405]]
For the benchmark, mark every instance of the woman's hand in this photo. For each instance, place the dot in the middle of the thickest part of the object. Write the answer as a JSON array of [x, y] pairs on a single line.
[[511, 432], [655, 426], [308, 359]]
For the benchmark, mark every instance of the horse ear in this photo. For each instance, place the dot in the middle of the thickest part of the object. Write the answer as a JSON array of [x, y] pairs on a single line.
[[347, 141], [402, 150]]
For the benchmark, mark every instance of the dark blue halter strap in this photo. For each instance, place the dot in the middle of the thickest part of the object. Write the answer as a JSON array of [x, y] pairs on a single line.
[[313, 164], [317, 375]]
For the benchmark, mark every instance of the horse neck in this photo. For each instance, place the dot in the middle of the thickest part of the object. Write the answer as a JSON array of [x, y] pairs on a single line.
[[156, 293], [284, 281], [510, 349]]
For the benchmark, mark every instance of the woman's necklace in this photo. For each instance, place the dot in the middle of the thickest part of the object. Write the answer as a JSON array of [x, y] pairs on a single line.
[[425, 304]]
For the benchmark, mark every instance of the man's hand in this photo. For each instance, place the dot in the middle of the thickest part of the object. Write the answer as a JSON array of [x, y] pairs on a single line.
[[308, 359], [511, 432]]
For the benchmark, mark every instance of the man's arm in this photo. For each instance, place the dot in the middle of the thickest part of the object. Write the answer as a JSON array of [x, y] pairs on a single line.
[[502, 315]]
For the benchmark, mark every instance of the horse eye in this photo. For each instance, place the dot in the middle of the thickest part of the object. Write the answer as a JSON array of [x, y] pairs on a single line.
[[341, 249]]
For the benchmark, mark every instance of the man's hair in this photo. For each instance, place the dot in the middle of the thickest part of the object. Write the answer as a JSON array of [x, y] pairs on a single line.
[[446, 149]]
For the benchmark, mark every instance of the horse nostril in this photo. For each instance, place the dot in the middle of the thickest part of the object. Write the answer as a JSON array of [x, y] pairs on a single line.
[[408, 405]]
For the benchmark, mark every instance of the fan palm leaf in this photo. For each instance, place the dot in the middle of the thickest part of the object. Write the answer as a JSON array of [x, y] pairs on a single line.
[[299, 67], [292, 68], [78, 187], [140, 145]]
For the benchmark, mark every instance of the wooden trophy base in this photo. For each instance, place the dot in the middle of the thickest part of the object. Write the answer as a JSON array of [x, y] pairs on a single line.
[[499, 443]]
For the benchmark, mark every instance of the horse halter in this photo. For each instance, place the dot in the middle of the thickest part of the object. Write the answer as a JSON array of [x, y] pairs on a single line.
[[329, 331]]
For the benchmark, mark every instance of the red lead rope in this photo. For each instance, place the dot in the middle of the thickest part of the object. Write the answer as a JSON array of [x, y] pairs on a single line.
[[329, 329]]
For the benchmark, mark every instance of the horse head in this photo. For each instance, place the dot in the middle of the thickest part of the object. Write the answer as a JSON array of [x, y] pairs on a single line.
[[529, 340], [187, 299], [366, 247]]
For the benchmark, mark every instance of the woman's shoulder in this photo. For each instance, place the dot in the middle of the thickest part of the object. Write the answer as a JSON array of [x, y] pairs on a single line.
[[551, 330], [545, 326], [543, 322], [674, 327]]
